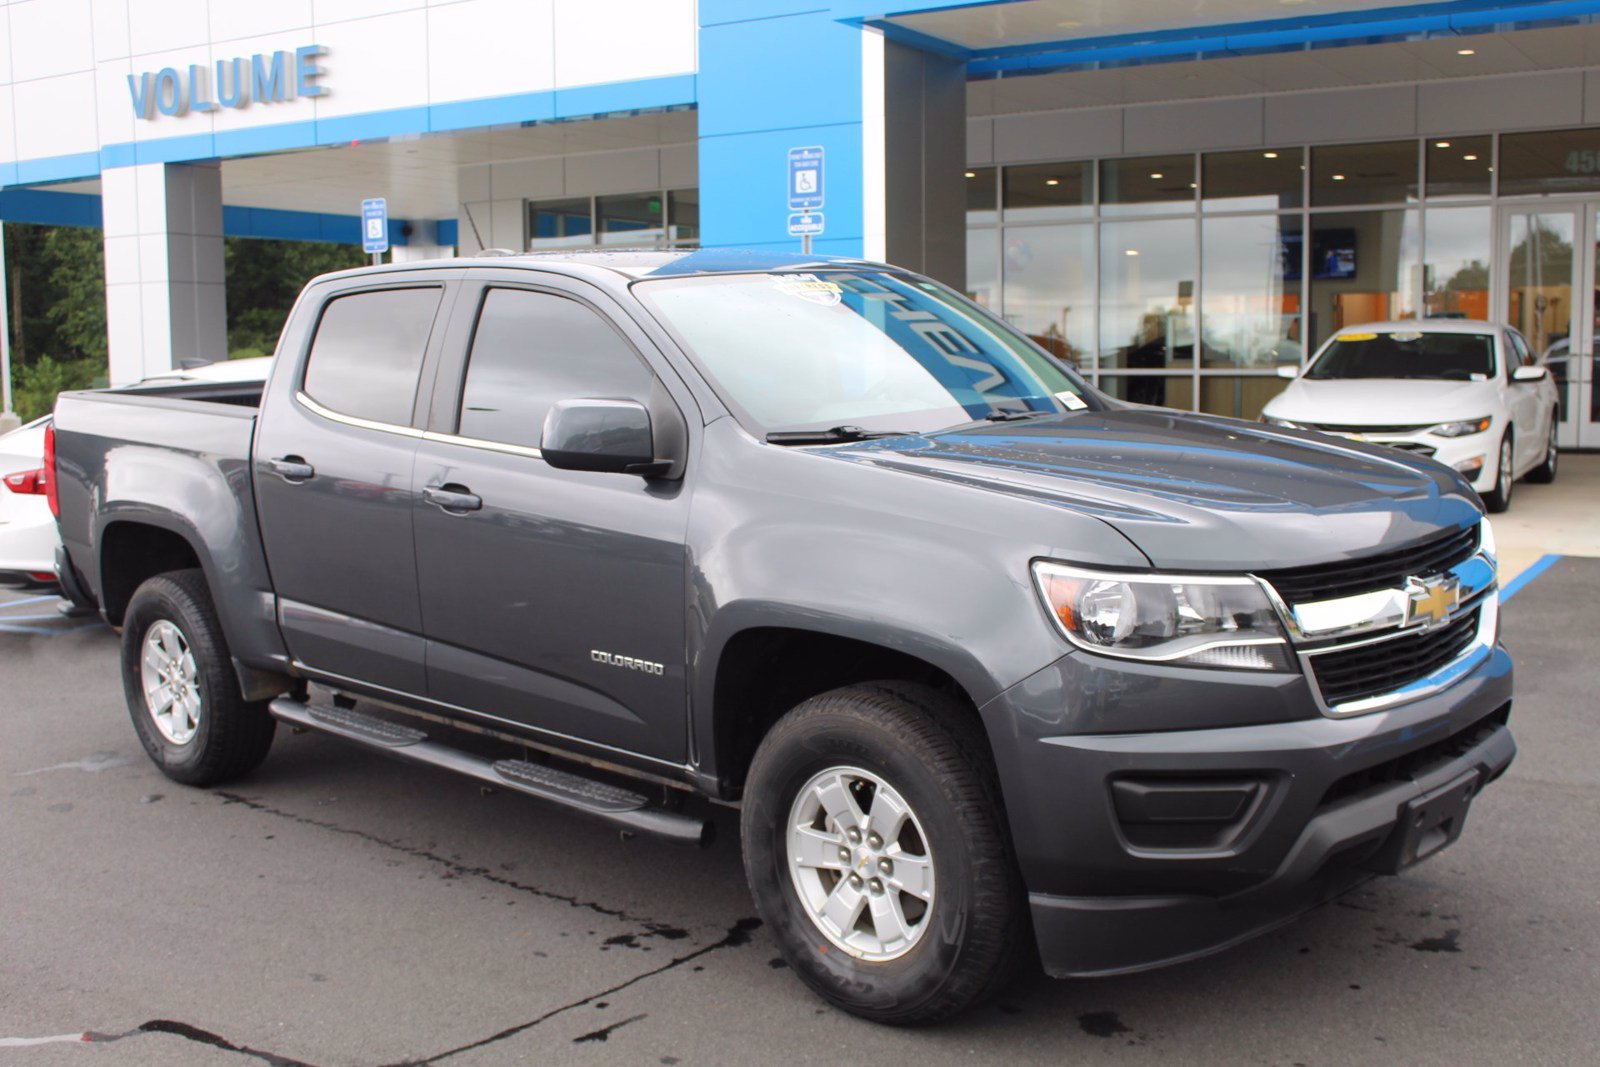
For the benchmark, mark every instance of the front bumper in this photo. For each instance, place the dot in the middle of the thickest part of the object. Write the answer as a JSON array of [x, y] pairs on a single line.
[[1476, 457], [1319, 810]]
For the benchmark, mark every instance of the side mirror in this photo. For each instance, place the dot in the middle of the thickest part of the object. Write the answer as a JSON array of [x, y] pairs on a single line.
[[1529, 374], [613, 436], [1289, 370]]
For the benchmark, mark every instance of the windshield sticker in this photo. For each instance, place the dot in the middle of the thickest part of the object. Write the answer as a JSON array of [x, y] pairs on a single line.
[[1405, 338], [810, 287], [1358, 337], [1071, 400]]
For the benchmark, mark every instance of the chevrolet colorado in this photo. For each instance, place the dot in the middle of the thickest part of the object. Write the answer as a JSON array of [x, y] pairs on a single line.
[[988, 661]]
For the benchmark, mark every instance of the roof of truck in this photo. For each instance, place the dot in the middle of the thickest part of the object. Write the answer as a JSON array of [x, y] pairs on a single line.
[[633, 263]]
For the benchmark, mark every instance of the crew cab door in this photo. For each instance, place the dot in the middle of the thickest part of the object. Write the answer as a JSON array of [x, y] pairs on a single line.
[[552, 599], [334, 451]]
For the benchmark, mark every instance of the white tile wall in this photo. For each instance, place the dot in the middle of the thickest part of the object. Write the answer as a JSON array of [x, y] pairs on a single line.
[[490, 48], [383, 55], [302, 109], [660, 39], [110, 24], [114, 104], [327, 11], [374, 64], [55, 116], [164, 25], [65, 24], [233, 19]]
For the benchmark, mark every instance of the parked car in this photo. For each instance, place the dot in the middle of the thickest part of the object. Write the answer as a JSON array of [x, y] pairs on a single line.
[[982, 654], [28, 538], [1468, 394], [27, 529]]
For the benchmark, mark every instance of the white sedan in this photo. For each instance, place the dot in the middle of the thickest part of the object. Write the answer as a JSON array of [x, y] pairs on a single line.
[[1471, 395], [28, 536], [27, 529]]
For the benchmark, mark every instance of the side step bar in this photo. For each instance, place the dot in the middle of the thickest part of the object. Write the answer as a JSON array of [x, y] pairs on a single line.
[[616, 805]]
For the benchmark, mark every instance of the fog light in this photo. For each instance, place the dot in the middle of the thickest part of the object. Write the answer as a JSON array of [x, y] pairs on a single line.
[[1471, 468]]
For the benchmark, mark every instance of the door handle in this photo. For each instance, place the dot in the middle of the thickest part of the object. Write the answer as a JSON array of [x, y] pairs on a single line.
[[292, 468], [452, 498]]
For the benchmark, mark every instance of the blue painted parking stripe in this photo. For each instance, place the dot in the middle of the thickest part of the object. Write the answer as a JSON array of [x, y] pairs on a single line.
[[26, 600], [40, 631], [1514, 586]]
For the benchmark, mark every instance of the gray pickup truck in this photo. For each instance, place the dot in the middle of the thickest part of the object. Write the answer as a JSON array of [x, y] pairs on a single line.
[[988, 661]]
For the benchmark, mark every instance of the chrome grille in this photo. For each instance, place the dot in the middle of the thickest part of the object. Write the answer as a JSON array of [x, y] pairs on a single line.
[[1388, 570], [1350, 674]]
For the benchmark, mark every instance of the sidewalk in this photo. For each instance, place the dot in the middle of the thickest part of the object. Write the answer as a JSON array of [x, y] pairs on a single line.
[[1561, 519]]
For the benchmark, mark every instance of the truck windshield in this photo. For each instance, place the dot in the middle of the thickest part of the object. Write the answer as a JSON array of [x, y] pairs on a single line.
[[866, 351], [1415, 354]]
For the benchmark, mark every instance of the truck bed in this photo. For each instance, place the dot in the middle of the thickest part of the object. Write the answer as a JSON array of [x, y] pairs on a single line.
[[175, 459]]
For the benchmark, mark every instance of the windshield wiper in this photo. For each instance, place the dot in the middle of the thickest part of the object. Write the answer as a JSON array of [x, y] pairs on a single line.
[[1012, 416], [823, 437]]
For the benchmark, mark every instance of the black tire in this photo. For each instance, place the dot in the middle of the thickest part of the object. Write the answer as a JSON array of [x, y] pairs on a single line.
[[929, 749], [1545, 473], [231, 736], [1498, 499]]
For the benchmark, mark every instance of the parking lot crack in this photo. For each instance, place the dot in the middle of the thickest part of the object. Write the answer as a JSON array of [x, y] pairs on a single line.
[[454, 867], [738, 934], [199, 1036]]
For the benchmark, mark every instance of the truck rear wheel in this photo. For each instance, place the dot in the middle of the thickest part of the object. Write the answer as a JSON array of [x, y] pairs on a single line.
[[182, 693], [876, 849]]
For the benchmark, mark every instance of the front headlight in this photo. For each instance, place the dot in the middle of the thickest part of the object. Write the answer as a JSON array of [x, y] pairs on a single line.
[[1180, 619], [1462, 428]]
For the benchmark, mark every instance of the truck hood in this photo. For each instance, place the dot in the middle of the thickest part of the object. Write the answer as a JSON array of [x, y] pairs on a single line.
[[1382, 401], [1193, 492]]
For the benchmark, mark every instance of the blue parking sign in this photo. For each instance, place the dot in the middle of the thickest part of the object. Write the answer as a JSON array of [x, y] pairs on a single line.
[[375, 225], [805, 178]]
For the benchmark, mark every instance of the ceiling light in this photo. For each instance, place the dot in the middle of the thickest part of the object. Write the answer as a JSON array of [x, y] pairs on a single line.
[[1157, 175], [1466, 51], [1131, 252], [1469, 157], [1441, 144], [972, 174], [1338, 177], [1269, 155], [1052, 181]]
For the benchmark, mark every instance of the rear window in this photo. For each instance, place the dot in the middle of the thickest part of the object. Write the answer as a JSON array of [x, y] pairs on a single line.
[[1408, 354], [367, 354]]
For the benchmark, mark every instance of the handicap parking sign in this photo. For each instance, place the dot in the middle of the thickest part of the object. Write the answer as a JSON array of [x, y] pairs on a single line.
[[805, 178], [375, 225]]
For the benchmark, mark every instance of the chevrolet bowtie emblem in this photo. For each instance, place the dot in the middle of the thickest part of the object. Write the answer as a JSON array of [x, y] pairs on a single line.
[[1431, 600]]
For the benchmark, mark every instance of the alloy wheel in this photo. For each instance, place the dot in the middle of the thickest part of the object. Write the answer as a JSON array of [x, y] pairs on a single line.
[[171, 682], [860, 863]]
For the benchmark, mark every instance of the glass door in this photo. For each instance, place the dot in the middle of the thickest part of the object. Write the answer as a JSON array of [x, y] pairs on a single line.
[[1550, 262]]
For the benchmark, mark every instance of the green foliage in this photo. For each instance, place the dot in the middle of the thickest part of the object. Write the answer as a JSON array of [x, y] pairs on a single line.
[[36, 384], [264, 277], [57, 298]]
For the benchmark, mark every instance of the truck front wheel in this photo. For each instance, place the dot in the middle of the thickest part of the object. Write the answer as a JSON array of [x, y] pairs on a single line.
[[876, 848], [182, 693]]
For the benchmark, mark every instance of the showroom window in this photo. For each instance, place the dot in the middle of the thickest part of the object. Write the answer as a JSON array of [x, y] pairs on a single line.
[[1187, 279], [657, 218]]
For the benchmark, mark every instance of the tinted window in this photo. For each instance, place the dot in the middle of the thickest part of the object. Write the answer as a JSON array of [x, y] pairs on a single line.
[[533, 349], [368, 352], [1452, 356]]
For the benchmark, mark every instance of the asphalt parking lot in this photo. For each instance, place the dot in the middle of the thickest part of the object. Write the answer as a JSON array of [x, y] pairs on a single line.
[[335, 908]]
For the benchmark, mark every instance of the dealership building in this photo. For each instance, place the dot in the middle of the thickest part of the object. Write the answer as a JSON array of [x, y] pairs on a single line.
[[1178, 196]]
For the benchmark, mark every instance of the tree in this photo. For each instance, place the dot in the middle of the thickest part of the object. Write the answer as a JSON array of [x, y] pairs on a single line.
[[264, 278]]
